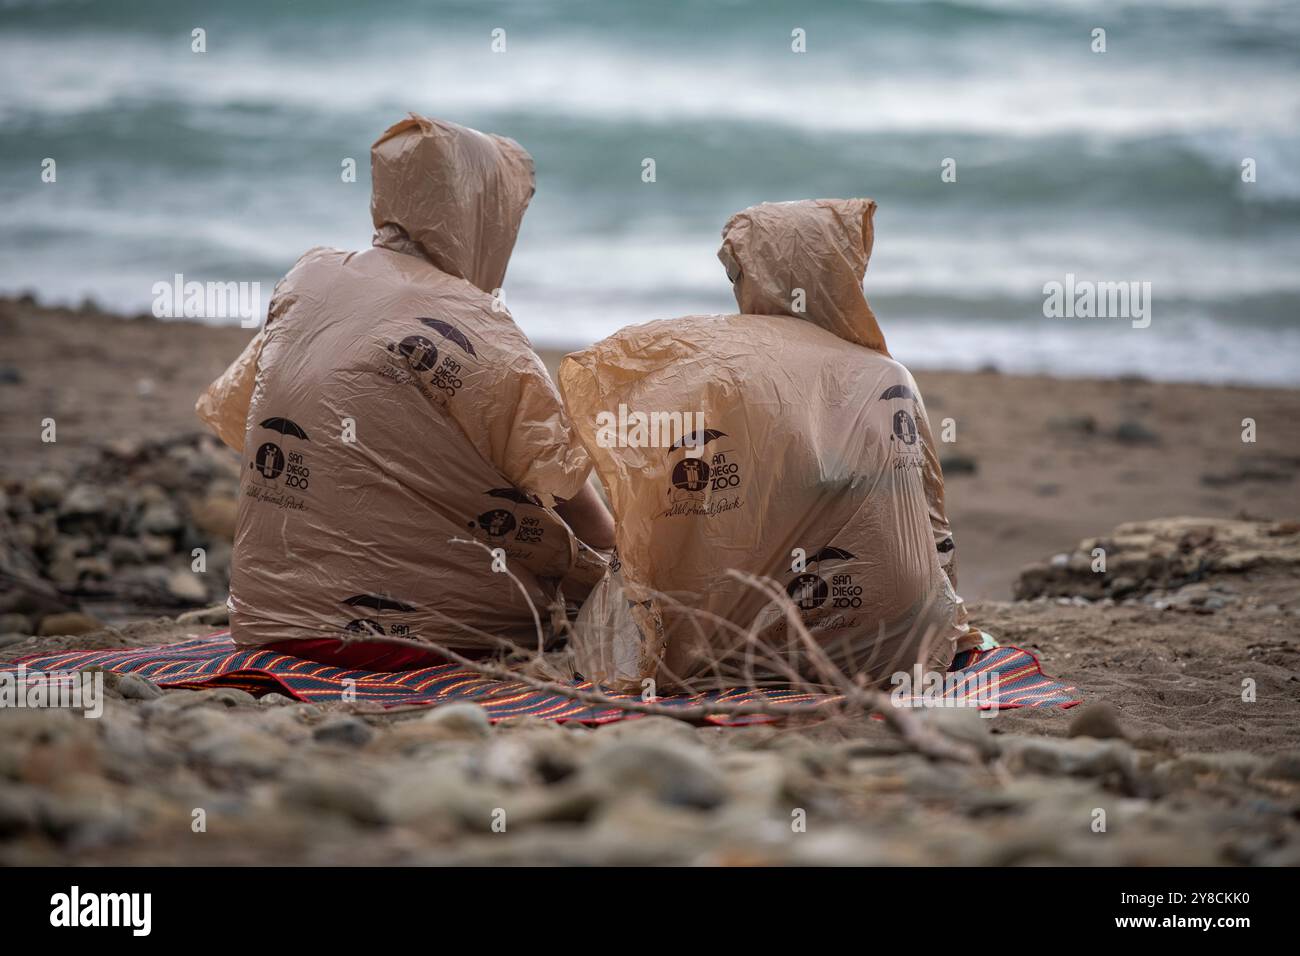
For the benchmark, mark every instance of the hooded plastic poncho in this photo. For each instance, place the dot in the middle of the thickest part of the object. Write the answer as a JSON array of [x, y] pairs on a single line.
[[804, 457], [391, 405]]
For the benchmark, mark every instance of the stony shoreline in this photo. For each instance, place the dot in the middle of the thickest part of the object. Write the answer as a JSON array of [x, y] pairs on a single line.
[[1166, 763], [144, 528]]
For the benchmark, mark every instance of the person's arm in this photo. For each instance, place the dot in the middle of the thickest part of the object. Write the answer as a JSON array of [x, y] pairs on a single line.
[[223, 406], [590, 520]]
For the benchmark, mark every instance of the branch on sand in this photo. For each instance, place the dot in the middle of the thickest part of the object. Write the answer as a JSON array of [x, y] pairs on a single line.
[[694, 713], [849, 699]]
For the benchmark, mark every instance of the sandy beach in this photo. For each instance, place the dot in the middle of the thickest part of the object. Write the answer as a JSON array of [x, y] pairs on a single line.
[[1042, 471], [1038, 463]]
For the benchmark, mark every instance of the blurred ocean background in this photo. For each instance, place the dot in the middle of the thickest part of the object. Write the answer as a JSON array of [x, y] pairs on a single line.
[[1117, 166]]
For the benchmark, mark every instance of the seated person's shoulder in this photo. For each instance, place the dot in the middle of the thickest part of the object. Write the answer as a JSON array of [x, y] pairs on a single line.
[[502, 339], [316, 255], [895, 372], [487, 349]]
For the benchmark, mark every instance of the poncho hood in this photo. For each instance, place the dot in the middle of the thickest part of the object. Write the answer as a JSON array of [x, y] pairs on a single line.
[[452, 194], [805, 259]]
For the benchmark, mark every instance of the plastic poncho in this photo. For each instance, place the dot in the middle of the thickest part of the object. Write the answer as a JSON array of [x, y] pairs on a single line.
[[391, 405], [804, 457]]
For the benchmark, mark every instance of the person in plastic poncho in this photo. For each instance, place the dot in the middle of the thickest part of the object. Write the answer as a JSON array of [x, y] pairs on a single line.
[[402, 442], [815, 469]]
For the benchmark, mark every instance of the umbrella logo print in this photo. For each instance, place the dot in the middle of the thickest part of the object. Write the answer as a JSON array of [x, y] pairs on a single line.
[[286, 427], [451, 334], [269, 460], [515, 495], [697, 439], [809, 591], [897, 391], [378, 603]]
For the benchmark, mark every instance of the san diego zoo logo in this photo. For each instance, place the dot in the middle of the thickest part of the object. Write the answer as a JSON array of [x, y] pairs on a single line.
[[422, 355], [700, 481], [378, 609], [904, 427], [280, 460], [904, 424], [809, 589], [501, 521]]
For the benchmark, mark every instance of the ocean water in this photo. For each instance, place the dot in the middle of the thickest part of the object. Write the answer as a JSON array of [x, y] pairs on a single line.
[[1116, 166]]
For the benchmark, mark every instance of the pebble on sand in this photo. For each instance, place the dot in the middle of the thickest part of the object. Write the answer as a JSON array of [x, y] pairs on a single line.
[[1097, 719], [73, 623]]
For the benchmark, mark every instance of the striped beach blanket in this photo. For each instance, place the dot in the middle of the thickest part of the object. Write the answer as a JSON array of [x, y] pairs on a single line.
[[1000, 677]]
